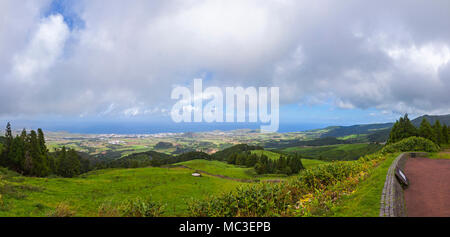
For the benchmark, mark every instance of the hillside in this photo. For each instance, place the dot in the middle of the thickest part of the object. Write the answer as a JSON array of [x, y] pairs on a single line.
[[86, 194], [443, 119], [341, 131], [335, 152], [224, 154]]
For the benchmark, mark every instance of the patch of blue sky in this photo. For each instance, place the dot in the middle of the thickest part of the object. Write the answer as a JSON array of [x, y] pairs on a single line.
[[66, 8]]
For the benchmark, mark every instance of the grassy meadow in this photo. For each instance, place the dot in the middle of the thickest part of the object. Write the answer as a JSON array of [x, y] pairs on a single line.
[[84, 195], [220, 168]]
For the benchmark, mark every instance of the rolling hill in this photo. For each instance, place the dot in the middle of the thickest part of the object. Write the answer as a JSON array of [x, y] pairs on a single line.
[[443, 119]]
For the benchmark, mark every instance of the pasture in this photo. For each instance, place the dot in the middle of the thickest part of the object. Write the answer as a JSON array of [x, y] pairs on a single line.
[[84, 195]]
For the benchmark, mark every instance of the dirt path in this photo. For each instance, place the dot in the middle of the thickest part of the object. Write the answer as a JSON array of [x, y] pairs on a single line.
[[429, 191]]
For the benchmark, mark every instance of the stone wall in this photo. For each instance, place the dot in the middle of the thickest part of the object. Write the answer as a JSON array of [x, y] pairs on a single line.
[[392, 198]]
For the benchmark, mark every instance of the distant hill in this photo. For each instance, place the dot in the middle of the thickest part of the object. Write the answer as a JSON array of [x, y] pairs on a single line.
[[163, 145], [224, 154], [342, 131], [378, 132], [443, 119], [295, 142]]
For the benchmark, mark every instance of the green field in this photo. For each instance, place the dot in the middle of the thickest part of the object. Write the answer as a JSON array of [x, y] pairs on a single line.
[[335, 152], [311, 163], [269, 154], [220, 168], [26, 196]]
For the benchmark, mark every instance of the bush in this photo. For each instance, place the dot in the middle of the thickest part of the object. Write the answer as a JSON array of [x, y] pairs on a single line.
[[256, 200], [141, 208], [316, 190], [62, 210], [329, 174], [411, 144]]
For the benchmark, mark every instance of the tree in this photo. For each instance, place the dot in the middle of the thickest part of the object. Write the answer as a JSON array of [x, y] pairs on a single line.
[[437, 130], [16, 154], [39, 162], [445, 134], [403, 128], [8, 136], [41, 142], [426, 131], [68, 163]]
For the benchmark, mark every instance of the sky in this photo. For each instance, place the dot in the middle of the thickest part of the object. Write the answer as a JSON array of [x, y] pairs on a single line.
[[336, 62]]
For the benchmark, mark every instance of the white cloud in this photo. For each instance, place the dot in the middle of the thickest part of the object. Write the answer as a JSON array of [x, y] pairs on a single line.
[[45, 47], [393, 56]]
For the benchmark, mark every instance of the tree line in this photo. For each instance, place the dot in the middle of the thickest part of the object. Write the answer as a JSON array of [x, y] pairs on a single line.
[[27, 154], [263, 165], [403, 128]]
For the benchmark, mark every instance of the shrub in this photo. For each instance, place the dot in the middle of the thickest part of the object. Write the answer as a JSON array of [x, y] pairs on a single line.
[[315, 191], [62, 210], [141, 208], [108, 209], [256, 200], [411, 144]]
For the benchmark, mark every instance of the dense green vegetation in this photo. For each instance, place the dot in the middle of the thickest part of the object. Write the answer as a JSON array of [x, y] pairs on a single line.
[[335, 152], [27, 154], [364, 201], [310, 163], [270, 154], [314, 192], [404, 128], [411, 144], [264, 165], [224, 154]]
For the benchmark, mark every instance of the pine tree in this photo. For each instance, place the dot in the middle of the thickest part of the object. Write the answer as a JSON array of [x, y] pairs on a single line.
[[39, 165], [41, 141], [437, 130], [445, 134], [393, 135], [68, 163], [426, 131], [8, 136], [16, 154], [4, 159]]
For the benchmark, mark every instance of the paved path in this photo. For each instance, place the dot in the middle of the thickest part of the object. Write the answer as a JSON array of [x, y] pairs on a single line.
[[429, 191]]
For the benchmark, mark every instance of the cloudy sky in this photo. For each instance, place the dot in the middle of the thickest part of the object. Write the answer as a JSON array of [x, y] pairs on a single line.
[[336, 62]]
